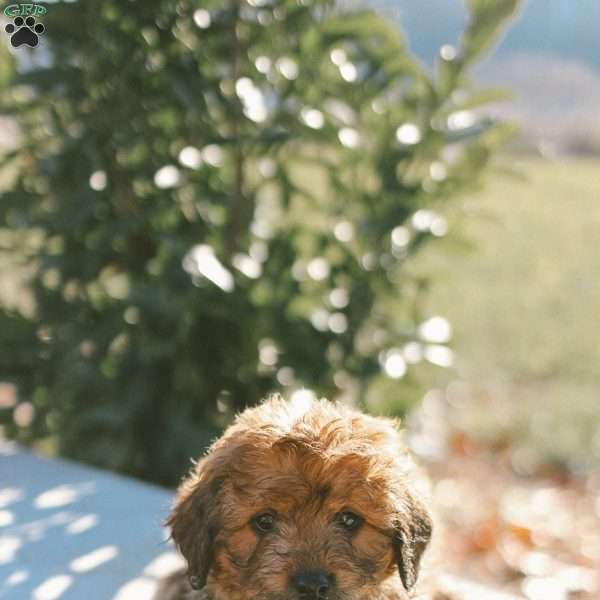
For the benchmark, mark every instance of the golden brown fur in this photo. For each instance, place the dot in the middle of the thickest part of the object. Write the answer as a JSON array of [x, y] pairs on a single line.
[[307, 466]]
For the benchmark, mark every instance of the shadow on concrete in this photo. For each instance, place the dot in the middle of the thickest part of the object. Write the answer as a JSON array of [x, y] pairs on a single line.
[[71, 532]]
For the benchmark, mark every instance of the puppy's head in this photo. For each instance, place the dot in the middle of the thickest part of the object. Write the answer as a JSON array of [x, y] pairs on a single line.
[[312, 502]]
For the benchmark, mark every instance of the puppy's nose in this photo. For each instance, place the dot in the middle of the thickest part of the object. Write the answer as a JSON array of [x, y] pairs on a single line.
[[312, 585]]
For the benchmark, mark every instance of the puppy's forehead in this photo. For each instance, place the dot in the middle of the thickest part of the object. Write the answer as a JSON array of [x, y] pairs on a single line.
[[324, 458], [302, 487]]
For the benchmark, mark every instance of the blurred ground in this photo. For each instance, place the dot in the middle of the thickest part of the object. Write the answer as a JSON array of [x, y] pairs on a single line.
[[523, 298], [525, 526], [512, 439]]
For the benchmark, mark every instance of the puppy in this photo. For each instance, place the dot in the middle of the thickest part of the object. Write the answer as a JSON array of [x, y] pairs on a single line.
[[301, 501]]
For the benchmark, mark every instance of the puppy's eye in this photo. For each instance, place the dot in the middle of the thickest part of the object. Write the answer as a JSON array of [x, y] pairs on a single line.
[[349, 520], [263, 523]]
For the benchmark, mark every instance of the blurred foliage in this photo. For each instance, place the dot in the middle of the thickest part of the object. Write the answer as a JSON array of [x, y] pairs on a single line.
[[216, 200]]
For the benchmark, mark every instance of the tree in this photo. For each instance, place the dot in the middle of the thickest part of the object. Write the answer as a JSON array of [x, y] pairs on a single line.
[[218, 199]]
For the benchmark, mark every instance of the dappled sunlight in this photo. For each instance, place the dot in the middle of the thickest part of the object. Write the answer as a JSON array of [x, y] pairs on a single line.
[[312, 117], [82, 524], [344, 231], [250, 267], [164, 565], [16, 578], [61, 496], [83, 539], [142, 587], [10, 495], [408, 134], [349, 137], [439, 355], [190, 157], [9, 546], [318, 269], [167, 177], [435, 329], [394, 364], [94, 559], [98, 181], [6, 518], [34, 530], [201, 261], [53, 588], [252, 98]]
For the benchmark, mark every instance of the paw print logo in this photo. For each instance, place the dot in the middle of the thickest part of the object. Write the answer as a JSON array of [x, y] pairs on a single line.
[[24, 31]]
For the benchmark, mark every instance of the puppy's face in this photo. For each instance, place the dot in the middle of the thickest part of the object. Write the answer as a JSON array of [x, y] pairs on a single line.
[[315, 506]]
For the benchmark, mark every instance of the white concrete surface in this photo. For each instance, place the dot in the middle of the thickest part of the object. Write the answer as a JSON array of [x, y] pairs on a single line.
[[71, 532]]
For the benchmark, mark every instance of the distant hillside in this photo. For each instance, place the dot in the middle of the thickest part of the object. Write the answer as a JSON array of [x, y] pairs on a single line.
[[556, 101]]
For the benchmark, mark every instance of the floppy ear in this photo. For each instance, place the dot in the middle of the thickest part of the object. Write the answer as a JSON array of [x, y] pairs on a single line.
[[194, 520], [413, 532]]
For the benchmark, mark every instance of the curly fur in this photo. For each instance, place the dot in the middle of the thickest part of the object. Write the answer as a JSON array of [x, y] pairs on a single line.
[[303, 463]]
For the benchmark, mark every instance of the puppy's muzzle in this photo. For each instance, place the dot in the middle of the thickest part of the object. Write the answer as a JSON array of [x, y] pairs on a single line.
[[313, 585]]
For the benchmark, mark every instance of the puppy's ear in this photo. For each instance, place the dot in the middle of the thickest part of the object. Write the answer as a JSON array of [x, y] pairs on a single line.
[[194, 519], [413, 532]]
